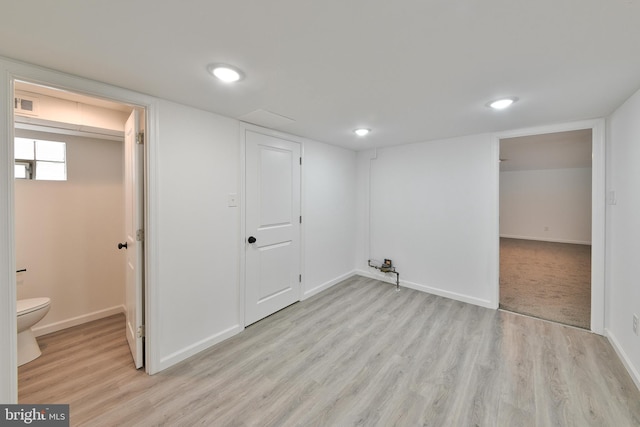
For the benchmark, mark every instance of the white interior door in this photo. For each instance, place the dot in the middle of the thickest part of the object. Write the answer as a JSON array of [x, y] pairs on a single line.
[[133, 205], [272, 222]]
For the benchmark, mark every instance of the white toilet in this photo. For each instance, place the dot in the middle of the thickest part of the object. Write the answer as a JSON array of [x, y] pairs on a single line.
[[30, 312]]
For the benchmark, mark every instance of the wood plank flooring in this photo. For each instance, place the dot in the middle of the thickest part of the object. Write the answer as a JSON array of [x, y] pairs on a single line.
[[358, 354]]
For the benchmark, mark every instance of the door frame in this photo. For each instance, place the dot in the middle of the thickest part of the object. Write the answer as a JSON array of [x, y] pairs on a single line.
[[598, 208], [10, 71], [244, 127]]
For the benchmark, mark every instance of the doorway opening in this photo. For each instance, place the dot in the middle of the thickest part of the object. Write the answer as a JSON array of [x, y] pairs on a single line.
[[74, 242], [546, 226]]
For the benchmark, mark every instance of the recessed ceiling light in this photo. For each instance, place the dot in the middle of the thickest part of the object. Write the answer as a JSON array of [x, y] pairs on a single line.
[[362, 131], [500, 104], [226, 73]]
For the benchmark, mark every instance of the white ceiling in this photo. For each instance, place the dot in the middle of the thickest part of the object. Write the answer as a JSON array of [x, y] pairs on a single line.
[[412, 70], [561, 150]]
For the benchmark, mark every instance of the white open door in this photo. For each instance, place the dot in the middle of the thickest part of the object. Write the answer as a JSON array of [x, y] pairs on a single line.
[[272, 245], [134, 217]]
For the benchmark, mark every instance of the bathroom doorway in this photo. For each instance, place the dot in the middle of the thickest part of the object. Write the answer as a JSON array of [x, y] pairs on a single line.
[[546, 226], [73, 233]]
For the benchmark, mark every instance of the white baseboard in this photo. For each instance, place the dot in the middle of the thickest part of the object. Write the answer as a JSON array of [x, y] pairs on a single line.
[[429, 289], [626, 361], [378, 275], [204, 344], [78, 320], [185, 353], [546, 239], [327, 285]]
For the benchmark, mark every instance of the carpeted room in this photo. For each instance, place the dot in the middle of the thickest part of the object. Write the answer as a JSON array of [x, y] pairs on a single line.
[[545, 226]]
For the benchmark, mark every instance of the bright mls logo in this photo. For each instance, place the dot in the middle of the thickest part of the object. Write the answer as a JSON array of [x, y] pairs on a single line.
[[34, 415]]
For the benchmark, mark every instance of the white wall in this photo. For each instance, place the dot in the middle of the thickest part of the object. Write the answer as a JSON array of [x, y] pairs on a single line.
[[549, 205], [363, 175], [198, 166], [10, 70], [623, 232], [329, 197], [193, 237], [434, 213], [67, 232]]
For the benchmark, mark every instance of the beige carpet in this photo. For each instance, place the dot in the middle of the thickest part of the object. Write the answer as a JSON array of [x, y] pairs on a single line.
[[551, 281]]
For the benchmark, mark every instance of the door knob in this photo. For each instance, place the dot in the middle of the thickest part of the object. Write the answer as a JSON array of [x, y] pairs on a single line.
[[122, 245], [251, 239]]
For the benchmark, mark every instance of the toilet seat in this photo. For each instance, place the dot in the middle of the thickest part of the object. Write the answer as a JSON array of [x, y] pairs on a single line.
[[25, 306]]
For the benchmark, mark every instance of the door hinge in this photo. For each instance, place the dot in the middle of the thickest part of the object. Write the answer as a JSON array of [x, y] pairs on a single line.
[[300, 219], [140, 235], [140, 138], [300, 278], [300, 160], [141, 331]]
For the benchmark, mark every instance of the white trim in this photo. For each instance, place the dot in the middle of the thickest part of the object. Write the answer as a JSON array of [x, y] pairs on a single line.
[[186, 352], [151, 239], [78, 320], [428, 289], [495, 249], [626, 360], [8, 328], [243, 226], [546, 239], [598, 227], [447, 294], [597, 209], [12, 70], [554, 128], [303, 190], [59, 128], [327, 285], [244, 127], [275, 133], [377, 275]]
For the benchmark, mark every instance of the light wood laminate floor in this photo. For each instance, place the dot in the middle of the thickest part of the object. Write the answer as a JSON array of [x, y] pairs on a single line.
[[357, 354]]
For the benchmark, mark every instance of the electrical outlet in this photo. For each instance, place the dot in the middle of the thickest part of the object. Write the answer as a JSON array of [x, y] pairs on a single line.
[[635, 324]]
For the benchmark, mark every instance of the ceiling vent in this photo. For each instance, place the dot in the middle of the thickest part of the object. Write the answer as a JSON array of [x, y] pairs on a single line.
[[25, 105]]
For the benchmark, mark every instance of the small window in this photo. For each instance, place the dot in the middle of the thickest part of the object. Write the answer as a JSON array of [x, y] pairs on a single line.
[[23, 170], [25, 149], [40, 159]]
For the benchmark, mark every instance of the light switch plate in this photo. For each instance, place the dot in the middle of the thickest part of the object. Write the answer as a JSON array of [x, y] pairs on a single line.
[[232, 200]]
